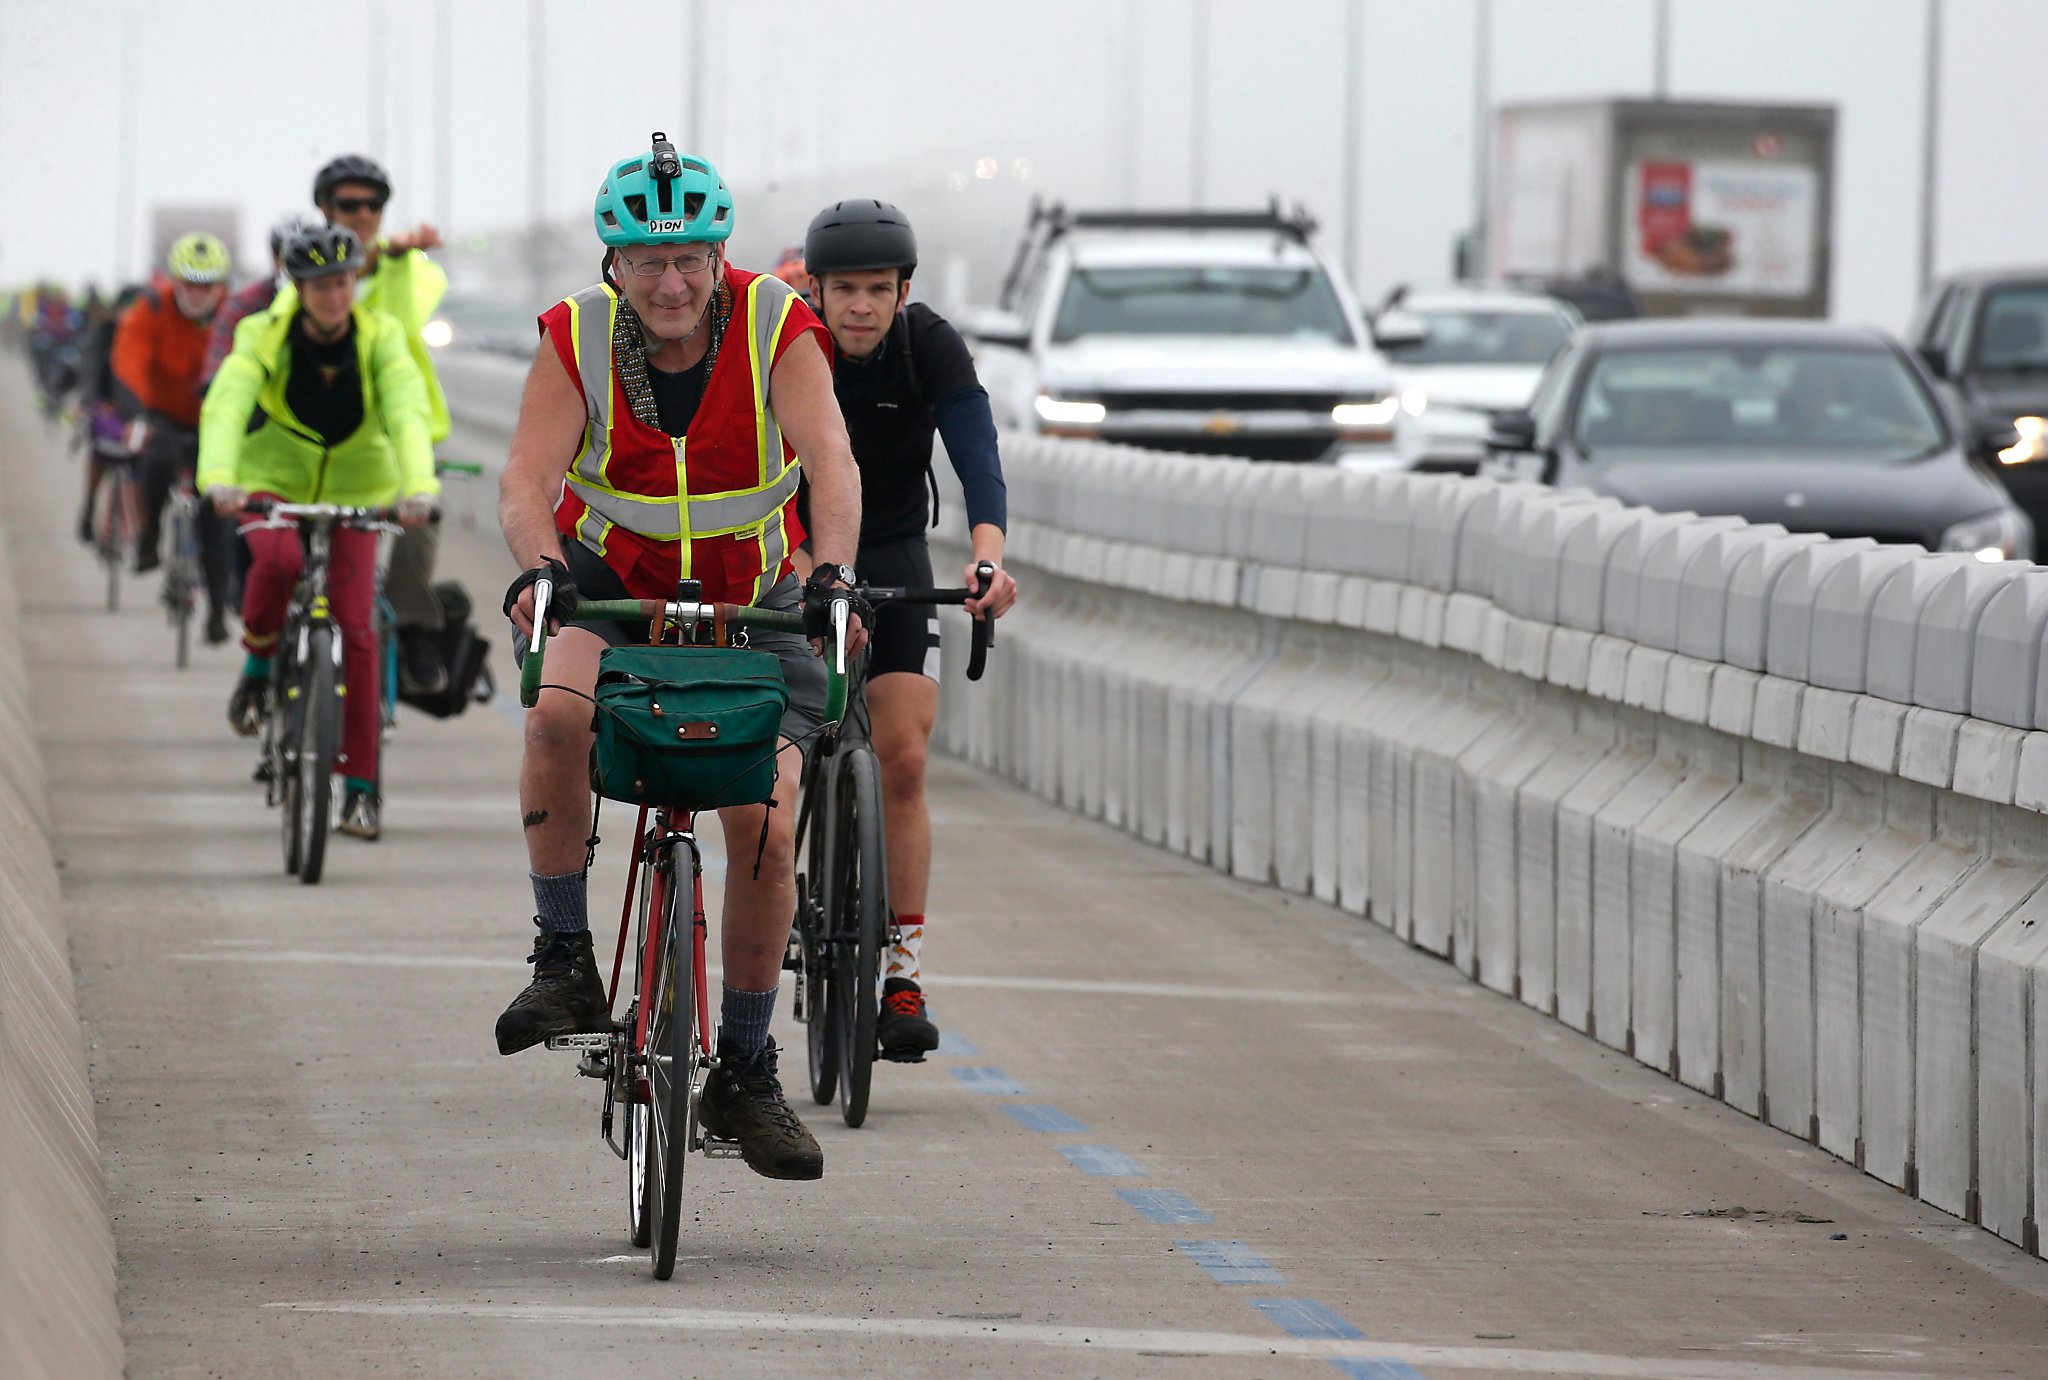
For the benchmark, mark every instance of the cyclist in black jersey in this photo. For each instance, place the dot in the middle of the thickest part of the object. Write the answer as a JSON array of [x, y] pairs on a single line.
[[902, 374]]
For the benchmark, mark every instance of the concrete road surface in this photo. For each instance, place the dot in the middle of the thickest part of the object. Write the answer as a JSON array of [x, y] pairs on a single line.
[[1182, 1127]]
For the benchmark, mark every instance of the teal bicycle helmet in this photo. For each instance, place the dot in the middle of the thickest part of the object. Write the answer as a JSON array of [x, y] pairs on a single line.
[[663, 197]]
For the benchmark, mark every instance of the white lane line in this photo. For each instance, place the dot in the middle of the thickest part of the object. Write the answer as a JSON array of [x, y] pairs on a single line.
[[354, 959], [1516, 1360]]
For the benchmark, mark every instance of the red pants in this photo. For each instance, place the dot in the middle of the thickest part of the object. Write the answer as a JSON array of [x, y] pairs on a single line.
[[279, 557]]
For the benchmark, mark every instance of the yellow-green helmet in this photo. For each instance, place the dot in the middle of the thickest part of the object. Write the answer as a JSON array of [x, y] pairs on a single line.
[[198, 258]]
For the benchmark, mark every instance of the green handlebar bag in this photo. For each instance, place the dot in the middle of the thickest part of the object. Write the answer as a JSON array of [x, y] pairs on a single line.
[[691, 728]]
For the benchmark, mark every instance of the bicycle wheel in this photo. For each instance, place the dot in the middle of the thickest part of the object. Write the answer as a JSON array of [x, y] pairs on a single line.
[[814, 947], [319, 720], [108, 531], [858, 907], [287, 712], [671, 1069], [638, 1128]]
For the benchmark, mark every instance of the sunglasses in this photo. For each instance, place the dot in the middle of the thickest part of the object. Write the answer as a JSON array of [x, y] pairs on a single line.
[[352, 204]]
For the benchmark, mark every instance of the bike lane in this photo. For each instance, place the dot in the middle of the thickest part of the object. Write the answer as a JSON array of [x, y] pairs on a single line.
[[1181, 1125]]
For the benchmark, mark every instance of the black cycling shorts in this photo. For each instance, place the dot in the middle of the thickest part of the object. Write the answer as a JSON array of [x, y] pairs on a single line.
[[906, 636]]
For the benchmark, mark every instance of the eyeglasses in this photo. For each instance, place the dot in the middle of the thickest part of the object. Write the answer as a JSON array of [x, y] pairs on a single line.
[[352, 204], [696, 261]]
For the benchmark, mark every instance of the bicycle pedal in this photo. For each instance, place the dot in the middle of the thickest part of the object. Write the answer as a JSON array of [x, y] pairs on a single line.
[[901, 1056], [718, 1148], [580, 1041]]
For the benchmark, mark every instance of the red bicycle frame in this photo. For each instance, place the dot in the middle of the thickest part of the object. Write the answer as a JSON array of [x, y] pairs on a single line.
[[657, 923]]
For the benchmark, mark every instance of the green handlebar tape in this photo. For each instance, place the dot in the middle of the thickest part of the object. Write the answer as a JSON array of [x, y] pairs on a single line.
[[835, 693], [529, 670], [458, 467]]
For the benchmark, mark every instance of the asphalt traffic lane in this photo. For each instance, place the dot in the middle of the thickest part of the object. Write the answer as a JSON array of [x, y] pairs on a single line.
[[1182, 1126]]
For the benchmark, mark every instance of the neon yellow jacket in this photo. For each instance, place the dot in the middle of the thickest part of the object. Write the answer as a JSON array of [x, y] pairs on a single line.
[[248, 437], [410, 287]]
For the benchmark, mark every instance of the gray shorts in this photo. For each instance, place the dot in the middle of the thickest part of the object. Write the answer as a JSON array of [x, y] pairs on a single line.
[[802, 669]]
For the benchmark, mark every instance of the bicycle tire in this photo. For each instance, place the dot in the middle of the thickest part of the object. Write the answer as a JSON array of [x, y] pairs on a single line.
[[637, 1127], [318, 722], [671, 1066], [860, 913], [108, 532], [282, 747], [181, 619], [821, 1038]]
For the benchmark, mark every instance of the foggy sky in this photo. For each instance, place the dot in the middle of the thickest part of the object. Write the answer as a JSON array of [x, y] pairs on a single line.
[[239, 101]]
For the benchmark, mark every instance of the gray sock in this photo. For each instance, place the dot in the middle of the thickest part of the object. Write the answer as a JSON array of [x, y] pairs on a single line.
[[563, 902], [743, 1022]]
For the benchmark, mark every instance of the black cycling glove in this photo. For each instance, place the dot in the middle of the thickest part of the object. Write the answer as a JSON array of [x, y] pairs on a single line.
[[565, 598], [819, 591]]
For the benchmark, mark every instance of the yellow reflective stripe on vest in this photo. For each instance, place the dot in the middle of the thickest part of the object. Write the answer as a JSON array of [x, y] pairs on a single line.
[[708, 515], [593, 313], [761, 359]]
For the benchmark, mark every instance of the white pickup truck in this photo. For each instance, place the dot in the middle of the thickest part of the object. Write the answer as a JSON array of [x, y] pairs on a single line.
[[1218, 332]]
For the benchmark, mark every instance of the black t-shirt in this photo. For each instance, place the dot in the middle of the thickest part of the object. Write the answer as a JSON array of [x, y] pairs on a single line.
[[677, 395], [325, 387], [887, 400]]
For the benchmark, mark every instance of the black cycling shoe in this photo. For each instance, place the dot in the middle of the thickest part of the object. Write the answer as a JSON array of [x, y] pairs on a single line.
[[146, 560], [85, 534], [359, 816], [565, 997], [902, 1029], [248, 705], [216, 627], [744, 1103], [420, 667]]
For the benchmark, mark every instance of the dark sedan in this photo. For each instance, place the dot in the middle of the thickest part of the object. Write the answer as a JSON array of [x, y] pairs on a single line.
[[1821, 428]]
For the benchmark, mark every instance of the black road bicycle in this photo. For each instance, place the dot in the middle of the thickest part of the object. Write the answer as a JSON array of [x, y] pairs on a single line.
[[302, 729], [844, 925]]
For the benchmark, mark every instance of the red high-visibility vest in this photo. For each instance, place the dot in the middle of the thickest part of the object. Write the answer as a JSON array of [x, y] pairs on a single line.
[[716, 504]]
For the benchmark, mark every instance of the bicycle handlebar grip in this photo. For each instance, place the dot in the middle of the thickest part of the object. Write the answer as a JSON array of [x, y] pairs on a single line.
[[984, 629], [529, 669]]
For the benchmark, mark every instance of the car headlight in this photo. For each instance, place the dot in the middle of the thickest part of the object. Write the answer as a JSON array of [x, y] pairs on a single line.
[[1414, 402], [1069, 412], [1377, 413], [437, 333], [2005, 535], [2033, 442]]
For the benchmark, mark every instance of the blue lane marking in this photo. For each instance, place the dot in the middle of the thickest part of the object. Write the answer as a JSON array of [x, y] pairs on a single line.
[[1103, 1161], [985, 1080], [1361, 1369], [949, 1043], [1036, 1116], [1164, 1206], [1230, 1262], [1304, 1318]]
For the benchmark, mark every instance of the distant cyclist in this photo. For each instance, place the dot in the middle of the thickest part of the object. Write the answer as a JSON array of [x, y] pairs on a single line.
[[249, 300], [341, 418], [902, 374], [105, 403], [402, 282], [159, 349], [658, 437]]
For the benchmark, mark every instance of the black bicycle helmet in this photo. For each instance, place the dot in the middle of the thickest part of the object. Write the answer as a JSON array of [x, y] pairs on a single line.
[[849, 236], [350, 167], [319, 251]]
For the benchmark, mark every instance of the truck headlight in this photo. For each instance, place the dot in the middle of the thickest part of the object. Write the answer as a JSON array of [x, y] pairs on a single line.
[[1069, 412], [1375, 414], [2005, 535], [2033, 442], [1414, 402], [437, 333]]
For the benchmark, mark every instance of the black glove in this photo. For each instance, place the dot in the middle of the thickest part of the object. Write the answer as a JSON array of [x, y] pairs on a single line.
[[820, 590], [565, 598]]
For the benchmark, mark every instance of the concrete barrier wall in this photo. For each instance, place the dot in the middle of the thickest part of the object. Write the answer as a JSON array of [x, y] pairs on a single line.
[[1764, 810], [58, 1315]]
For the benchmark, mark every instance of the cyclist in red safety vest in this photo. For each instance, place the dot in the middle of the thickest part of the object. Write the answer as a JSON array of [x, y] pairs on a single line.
[[602, 495]]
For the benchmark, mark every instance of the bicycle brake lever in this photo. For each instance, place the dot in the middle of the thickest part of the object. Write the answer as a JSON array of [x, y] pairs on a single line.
[[840, 606]]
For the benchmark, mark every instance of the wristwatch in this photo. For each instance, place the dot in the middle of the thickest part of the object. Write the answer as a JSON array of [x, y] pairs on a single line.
[[829, 571]]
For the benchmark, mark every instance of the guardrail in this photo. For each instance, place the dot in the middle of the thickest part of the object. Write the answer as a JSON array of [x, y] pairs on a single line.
[[58, 1315], [1762, 809]]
